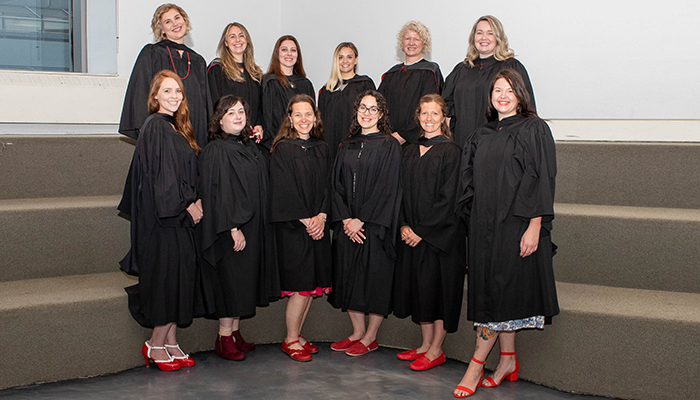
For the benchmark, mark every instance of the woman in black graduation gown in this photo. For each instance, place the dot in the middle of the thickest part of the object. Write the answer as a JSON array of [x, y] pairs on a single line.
[[299, 185], [238, 243], [235, 72], [162, 199], [467, 86], [366, 196], [507, 195], [430, 268], [335, 100], [285, 77], [170, 25], [404, 84]]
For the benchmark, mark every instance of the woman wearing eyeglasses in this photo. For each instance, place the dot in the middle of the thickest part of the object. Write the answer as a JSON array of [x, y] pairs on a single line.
[[366, 195]]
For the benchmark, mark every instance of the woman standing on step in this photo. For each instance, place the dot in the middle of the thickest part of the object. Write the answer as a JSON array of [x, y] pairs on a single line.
[[300, 206], [238, 244], [429, 280], [162, 199], [507, 196], [170, 25]]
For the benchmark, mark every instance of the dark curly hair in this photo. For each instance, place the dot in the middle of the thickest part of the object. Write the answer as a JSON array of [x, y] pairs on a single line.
[[383, 125], [222, 106], [518, 85]]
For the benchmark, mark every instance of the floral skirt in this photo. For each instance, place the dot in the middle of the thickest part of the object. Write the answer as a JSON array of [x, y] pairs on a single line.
[[536, 322]]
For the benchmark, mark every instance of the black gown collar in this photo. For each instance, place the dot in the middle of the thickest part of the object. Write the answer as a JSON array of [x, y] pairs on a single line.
[[167, 117], [435, 140], [174, 45]]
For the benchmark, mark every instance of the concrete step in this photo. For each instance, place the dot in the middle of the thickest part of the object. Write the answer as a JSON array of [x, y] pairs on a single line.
[[633, 247], [41, 238], [629, 174], [36, 166]]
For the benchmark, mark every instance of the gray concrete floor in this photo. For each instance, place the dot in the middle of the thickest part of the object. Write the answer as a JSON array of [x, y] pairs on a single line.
[[268, 373]]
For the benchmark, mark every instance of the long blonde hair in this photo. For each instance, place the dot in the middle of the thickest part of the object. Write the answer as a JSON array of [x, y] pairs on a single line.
[[228, 63], [182, 115], [336, 79], [501, 52]]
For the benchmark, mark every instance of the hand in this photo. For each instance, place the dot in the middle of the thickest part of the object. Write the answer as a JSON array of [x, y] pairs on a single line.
[[531, 238], [398, 137], [257, 133], [353, 227], [410, 237], [314, 226], [195, 210], [238, 240]]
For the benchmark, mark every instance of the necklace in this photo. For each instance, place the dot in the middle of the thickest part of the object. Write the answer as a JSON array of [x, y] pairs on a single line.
[[173, 63]]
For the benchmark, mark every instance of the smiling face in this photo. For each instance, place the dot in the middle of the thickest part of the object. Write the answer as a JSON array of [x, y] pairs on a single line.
[[347, 61], [368, 114], [303, 118], [169, 96], [233, 122], [484, 39], [288, 55], [236, 42], [173, 25], [431, 118], [412, 44], [504, 99]]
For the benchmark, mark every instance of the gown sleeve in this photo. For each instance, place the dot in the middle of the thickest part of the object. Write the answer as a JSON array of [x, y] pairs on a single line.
[[274, 107], [449, 92], [383, 205], [214, 79], [465, 191], [287, 203], [135, 109]]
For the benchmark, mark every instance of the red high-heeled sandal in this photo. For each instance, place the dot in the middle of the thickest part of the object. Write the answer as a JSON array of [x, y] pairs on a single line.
[[165, 365], [466, 389], [513, 376], [184, 361]]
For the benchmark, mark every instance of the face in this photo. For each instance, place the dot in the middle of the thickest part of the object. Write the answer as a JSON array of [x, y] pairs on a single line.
[[367, 121], [173, 25], [233, 122], [169, 96], [503, 99], [303, 118], [412, 44], [288, 53], [484, 39], [236, 42], [430, 118], [347, 60]]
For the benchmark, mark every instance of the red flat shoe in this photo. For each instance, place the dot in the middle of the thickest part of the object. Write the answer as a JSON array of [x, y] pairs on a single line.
[[164, 365], [513, 376], [184, 361], [359, 349], [310, 347], [242, 344], [409, 355], [424, 363], [226, 348], [343, 344], [466, 389], [296, 354]]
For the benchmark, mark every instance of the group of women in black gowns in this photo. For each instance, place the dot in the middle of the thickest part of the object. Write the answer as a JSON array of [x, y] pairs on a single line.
[[398, 241]]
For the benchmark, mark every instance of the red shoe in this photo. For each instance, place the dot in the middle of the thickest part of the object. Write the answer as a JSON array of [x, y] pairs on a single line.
[[310, 347], [359, 349], [242, 344], [466, 389], [296, 354], [164, 365], [226, 348], [343, 344], [184, 361], [409, 355], [513, 376], [424, 363]]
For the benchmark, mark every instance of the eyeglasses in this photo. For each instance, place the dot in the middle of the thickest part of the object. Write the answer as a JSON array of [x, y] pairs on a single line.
[[363, 109]]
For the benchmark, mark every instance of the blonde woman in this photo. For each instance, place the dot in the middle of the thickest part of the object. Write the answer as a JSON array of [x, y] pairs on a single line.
[[336, 98]]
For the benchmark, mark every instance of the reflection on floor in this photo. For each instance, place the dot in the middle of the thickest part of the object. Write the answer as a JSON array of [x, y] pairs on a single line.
[[268, 373]]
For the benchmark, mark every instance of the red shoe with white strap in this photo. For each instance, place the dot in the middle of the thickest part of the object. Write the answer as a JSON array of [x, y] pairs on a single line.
[[185, 360], [296, 354], [164, 365]]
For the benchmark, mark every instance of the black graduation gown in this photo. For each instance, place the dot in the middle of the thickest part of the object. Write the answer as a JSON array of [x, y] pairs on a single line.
[[403, 86], [190, 67], [508, 177], [275, 100], [429, 280], [250, 90], [300, 188], [366, 185], [234, 186], [161, 184], [337, 109], [467, 93]]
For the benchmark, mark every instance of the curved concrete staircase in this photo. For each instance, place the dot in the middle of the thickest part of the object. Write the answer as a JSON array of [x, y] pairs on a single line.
[[628, 224]]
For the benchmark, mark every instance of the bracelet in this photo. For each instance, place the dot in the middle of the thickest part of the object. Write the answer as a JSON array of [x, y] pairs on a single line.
[[234, 230], [322, 217]]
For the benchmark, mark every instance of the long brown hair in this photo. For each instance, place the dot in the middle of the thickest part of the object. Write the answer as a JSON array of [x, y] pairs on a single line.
[[437, 99], [383, 125], [287, 130], [220, 109], [229, 64], [182, 114], [518, 85], [157, 28], [276, 68]]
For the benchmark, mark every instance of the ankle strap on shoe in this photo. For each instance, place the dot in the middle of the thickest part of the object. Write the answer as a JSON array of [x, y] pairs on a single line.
[[477, 361], [502, 353]]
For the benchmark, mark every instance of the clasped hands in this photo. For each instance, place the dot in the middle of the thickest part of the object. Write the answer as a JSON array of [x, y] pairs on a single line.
[[353, 227], [410, 237], [315, 226], [195, 210]]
